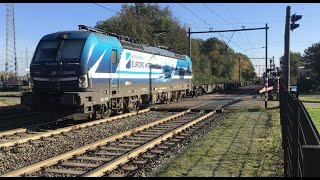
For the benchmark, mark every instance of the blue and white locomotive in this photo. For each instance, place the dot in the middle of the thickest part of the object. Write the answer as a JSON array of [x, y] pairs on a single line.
[[92, 73]]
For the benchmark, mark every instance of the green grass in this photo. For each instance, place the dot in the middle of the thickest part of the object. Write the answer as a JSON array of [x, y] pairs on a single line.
[[315, 116], [312, 100], [247, 143], [311, 93], [10, 94]]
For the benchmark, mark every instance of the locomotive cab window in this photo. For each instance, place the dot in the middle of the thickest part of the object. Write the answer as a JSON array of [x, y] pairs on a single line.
[[59, 50], [114, 56]]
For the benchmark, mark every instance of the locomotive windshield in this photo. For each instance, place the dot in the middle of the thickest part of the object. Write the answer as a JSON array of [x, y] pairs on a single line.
[[63, 50]]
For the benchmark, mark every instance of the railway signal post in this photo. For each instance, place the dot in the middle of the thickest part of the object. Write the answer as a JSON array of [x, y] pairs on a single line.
[[288, 27]]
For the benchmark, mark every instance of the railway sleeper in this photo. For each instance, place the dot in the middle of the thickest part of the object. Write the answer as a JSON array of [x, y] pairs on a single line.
[[179, 137], [113, 149], [129, 168], [117, 175], [72, 164], [148, 156], [148, 135], [169, 143], [89, 158], [157, 151], [138, 138], [106, 153], [162, 147], [132, 141], [175, 140], [128, 145], [64, 171]]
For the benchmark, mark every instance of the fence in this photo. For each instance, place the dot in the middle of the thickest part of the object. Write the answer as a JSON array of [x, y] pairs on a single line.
[[300, 138]]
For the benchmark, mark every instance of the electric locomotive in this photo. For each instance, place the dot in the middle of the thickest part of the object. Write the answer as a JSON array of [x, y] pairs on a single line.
[[90, 73]]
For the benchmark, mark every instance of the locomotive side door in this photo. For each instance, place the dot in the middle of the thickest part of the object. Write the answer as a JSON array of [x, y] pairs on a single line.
[[114, 79]]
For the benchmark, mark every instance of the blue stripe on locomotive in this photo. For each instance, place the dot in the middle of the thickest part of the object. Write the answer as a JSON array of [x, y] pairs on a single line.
[[97, 44]]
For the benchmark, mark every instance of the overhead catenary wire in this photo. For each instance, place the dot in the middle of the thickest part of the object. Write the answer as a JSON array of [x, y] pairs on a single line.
[[201, 20], [105, 7], [249, 42], [228, 23], [213, 28]]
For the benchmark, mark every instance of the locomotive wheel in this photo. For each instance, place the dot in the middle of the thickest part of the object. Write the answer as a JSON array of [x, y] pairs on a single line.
[[138, 106], [130, 109], [93, 116], [132, 105], [106, 114]]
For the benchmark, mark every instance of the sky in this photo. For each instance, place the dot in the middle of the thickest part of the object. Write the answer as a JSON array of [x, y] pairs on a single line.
[[34, 20]]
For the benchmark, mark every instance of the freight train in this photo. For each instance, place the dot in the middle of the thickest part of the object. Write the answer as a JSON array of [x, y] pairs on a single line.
[[91, 73]]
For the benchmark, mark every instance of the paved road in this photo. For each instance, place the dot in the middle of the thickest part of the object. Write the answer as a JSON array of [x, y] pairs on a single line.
[[208, 101]]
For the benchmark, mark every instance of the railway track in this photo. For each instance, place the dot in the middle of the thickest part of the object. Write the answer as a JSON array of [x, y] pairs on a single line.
[[23, 135], [86, 158], [108, 153]]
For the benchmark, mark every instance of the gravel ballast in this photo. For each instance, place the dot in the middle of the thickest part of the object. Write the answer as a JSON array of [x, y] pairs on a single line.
[[39, 150]]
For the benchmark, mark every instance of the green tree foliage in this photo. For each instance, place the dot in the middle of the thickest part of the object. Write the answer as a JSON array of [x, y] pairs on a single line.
[[295, 64], [311, 58], [212, 60], [140, 21]]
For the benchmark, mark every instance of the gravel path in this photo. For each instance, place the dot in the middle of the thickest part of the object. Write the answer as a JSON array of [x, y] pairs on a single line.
[[44, 149]]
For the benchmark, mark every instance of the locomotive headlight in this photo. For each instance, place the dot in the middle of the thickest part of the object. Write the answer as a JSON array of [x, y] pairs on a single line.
[[83, 81]]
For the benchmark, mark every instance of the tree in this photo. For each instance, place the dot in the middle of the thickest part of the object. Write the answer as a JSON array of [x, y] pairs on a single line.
[[295, 64], [311, 58], [139, 21], [210, 61]]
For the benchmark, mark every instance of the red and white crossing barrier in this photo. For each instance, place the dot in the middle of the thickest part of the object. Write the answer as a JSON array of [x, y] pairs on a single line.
[[264, 89]]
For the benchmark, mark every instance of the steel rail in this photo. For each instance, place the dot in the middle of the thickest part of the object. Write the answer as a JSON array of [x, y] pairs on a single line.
[[62, 130], [12, 132], [54, 160], [141, 149]]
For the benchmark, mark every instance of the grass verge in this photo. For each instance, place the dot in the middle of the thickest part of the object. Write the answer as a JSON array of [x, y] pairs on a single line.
[[315, 116], [9, 102], [246, 143], [10, 94], [312, 100]]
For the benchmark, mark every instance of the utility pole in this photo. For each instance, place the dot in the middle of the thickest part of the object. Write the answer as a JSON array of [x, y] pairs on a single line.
[[189, 33], [239, 70], [266, 93], [11, 54]]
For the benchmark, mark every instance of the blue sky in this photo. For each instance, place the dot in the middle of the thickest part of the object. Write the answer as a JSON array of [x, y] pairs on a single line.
[[34, 20]]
